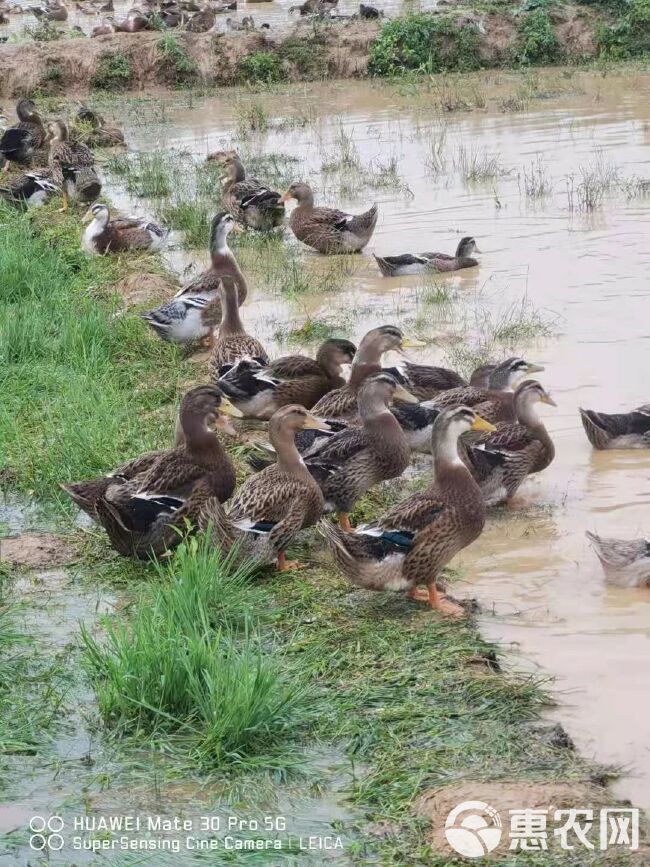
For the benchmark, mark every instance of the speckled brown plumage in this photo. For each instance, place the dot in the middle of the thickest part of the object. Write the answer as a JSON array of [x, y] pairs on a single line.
[[142, 498], [412, 542]]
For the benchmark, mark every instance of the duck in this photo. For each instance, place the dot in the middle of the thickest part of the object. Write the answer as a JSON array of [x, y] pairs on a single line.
[[625, 563], [144, 504], [627, 430], [232, 341], [195, 310], [260, 389], [54, 10], [120, 234], [105, 28], [506, 457], [31, 189], [341, 403], [370, 13], [201, 21], [19, 143], [100, 134], [135, 22], [72, 165], [495, 403], [251, 203], [327, 230], [426, 381], [315, 7], [412, 543], [273, 506], [355, 460], [410, 263]]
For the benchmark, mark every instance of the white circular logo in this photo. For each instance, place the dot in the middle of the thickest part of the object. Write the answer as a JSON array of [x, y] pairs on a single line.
[[46, 834], [476, 833]]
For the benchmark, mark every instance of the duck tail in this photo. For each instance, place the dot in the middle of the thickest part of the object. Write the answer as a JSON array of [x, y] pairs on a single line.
[[87, 184], [213, 515], [384, 267], [598, 437]]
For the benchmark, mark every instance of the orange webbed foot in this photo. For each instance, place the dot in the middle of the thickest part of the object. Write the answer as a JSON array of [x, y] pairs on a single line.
[[443, 605], [344, 522]]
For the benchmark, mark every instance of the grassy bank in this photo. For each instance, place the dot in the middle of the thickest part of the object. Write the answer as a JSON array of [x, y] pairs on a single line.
[[219, 672], [472, 36], [82, 384]]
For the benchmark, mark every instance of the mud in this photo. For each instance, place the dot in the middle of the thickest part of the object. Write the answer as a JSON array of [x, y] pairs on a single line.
[[36, 550]]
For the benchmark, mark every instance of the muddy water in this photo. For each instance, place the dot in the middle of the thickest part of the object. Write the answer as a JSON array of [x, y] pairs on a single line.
[[587, 272]]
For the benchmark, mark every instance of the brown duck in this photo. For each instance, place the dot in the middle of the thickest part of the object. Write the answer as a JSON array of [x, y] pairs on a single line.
[[495, 403], [143, 504], [505, 457], [411, 544], [328, 230], [232, 341], [273, 506], [341, 403]]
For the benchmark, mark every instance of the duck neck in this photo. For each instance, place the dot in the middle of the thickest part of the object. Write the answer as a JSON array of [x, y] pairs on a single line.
[[198, 439], [236, 174], [527, 415], [330, 366], [381, 428], [289, 459], [444, 447], [224, 262], [230, 319], [306, 201]]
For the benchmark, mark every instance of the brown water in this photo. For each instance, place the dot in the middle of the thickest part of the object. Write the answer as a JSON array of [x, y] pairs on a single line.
[[586, 271]]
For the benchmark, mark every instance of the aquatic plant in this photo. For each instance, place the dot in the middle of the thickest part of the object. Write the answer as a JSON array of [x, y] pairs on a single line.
[[424, 43]]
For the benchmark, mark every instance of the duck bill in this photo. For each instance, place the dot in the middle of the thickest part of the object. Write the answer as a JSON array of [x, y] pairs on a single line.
[[316, 423], [223, 423], [548, 400], [534, 368], [480, 423], [401, 393], [226, 407], [411, 343], [285, 197], [88, 217]]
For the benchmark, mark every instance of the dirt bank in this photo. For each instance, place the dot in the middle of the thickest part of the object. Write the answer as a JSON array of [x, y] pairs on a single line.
[[340, 49]]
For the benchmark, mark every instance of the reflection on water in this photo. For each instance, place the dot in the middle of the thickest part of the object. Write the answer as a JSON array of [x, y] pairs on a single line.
[[532, 569]]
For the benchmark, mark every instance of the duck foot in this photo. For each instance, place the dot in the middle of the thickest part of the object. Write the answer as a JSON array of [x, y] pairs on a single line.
[[418, 595], [445, 606], [285, 565], [344, 522]]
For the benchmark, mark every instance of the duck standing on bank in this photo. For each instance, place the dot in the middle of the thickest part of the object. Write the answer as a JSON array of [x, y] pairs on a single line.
[[411, 544], [144, 504], [274, 505]]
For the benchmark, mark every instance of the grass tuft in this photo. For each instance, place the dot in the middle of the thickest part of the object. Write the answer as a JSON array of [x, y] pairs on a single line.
[[189, 662]]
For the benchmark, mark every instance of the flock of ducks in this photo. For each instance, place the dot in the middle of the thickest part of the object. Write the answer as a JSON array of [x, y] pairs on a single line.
[[188, 15], [331, 437]]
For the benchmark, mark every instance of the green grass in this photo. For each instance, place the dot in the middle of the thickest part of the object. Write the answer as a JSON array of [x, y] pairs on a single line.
[[424, 43], [177, 65], [262, 67], [82, 389], [114, 71], [536, 39], [189, 662]]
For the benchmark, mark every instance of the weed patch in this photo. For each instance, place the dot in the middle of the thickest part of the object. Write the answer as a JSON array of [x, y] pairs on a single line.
[[114, 71], [177, 65], [536, 39], [424, 43]]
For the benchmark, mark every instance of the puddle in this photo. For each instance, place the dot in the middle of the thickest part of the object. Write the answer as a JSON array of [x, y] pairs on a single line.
[[586, 270]]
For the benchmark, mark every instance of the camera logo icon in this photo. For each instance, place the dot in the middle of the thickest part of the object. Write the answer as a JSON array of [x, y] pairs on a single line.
[[45, 833]]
